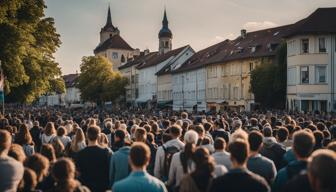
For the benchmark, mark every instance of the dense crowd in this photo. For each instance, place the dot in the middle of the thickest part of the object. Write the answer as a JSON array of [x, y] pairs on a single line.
[[66, 150]]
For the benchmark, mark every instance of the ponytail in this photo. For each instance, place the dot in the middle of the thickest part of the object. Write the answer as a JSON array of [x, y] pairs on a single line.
[[187, 155]]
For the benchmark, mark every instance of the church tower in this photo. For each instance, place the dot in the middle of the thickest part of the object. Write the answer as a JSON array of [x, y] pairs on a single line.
[[108, 30], [165, 36]]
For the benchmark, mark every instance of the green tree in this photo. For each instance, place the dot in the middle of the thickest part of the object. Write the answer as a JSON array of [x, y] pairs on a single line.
[[98, 82], [28, 41], [269, 81]]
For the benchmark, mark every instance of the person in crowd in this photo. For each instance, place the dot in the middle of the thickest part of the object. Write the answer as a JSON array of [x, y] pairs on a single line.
[[319, 176], [63, 172], [28, 182], [36, 132], [119, 140], [61, 134], [119, 166], [272, 149], [239, 178], [139, 180], [40, 165], [78, 143], [221, 156], [59, 147], [182, 162], [11, 169], [16, 151], [24, 139], [303, 145], [48, 151], [93, 163], [49, 133], [166, 152], [257, 163]]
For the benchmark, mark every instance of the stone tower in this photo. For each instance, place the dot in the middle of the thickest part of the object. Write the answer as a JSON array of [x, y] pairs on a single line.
[[165, 36], [108, 30]]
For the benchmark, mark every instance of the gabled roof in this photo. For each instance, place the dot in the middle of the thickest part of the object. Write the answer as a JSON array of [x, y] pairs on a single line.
[[256, 44], [159, 58], [321, 21], [114, 42], [70, 80], [138, 60]]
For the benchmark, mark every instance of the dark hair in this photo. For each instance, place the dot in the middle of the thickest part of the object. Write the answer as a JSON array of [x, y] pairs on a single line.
[[5, 140], [16, 151], [166, 137], [61, 131], [63, 172], [175, 130], [93, 133], [267, 131], [150, 137], [303, 143], [219, 143], [48, 151], [139, 154], [239, 150], [39, 164], [23, 137], [282, 134], [255, 140], [120, 134], [29, 180], [187, 155], [207, 126]]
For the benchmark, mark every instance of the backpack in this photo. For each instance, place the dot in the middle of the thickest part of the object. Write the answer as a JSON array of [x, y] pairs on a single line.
[[168, 155]]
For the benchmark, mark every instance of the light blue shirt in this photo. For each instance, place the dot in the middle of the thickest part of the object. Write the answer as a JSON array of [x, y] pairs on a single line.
[[139, 181]]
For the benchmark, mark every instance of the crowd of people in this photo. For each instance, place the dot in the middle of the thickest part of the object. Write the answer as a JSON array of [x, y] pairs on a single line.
[[68, 150]]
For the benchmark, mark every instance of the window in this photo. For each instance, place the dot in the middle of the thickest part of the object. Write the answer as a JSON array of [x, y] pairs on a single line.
[[321, 74], [322, 47], [304, 45], [251, 67], [305, 75], [291, 76], [114, 55], [166, 44], [122, 58]]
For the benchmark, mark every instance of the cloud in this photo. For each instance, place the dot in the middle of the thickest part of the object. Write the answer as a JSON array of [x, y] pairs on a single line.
[[257, 25]]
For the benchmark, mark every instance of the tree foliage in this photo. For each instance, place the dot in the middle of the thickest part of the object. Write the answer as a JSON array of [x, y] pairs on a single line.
[[269, 81], [28, 41], [98, 82]]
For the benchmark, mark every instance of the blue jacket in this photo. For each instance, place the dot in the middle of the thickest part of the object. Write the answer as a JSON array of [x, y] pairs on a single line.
[[139, 181], [119, 168]]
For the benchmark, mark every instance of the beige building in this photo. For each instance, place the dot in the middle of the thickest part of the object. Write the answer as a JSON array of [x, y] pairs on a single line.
[[228, 78], [113, 46], [311, 63]]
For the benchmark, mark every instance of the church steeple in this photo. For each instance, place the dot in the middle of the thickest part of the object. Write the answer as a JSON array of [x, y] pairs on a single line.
[[108, 30], [165, 36]]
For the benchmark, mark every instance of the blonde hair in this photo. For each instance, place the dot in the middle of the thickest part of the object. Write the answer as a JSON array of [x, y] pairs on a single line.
[[78, 138]]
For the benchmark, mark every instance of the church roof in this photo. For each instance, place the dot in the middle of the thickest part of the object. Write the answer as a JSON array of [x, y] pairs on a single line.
[[158, 58], [108, 26], [114, 42], [165, 31]]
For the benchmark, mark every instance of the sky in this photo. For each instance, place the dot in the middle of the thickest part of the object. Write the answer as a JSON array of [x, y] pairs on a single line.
[[199, 23]]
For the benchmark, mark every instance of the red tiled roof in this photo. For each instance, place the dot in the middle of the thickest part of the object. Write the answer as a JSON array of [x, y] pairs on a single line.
[[114, 42]]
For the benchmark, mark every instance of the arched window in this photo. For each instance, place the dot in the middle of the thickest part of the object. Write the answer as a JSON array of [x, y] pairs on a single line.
[[122, 58]]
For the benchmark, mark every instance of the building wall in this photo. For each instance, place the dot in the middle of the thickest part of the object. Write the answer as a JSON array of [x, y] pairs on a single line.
[[115, 55], [311, 73], [189, 90], [132, 74]]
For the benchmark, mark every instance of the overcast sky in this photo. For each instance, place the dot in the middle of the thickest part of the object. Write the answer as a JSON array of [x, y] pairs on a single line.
[[199, 23]]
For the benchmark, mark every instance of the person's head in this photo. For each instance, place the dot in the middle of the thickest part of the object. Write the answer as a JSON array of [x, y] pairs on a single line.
[[239, 150], [282, 134], [61, 131], [219, 144], [79, 135], [140, 135], [150, 138], [207, 126], [332, 146], [119, 135], [200, 131], [321, 170], [23, 137], [29, 180], [103, 140], [39, 164], [255, 140], [175, 131], [48, 151], [5, 142], [239, 134], [191, 136], [58, 146], [50, 129], [237, 124], [16, 151], [184, 115], [267, 132], [92, 133], [204, 162], [303, 144], [139, 156], [63, 172]]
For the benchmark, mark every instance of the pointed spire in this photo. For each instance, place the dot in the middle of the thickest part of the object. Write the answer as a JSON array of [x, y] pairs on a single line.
[[109, 18], [165, 20]]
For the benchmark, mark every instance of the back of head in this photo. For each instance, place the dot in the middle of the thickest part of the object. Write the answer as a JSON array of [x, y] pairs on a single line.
[[5, 141], [29, 180], [267, 131], [303, 143], [255, 140], [93, 133], [239, 150], [139, 154], [63, 169], [191, 136], [39, 164], [282, 134], [219, 144], [204, 162], [61, 131], [322, 169], [140, 134], [175, 131], [16, 151], [48, 151]]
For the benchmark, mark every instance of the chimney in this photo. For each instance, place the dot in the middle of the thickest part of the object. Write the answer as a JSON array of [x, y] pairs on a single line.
[[146, 51], [243, 33], [136, 52]]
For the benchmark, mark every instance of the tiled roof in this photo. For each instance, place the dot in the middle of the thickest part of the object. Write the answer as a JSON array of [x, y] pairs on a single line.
[[70, 80], [320, 21], [114, 42], [138, 60], [158, 58], [255, 44]]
